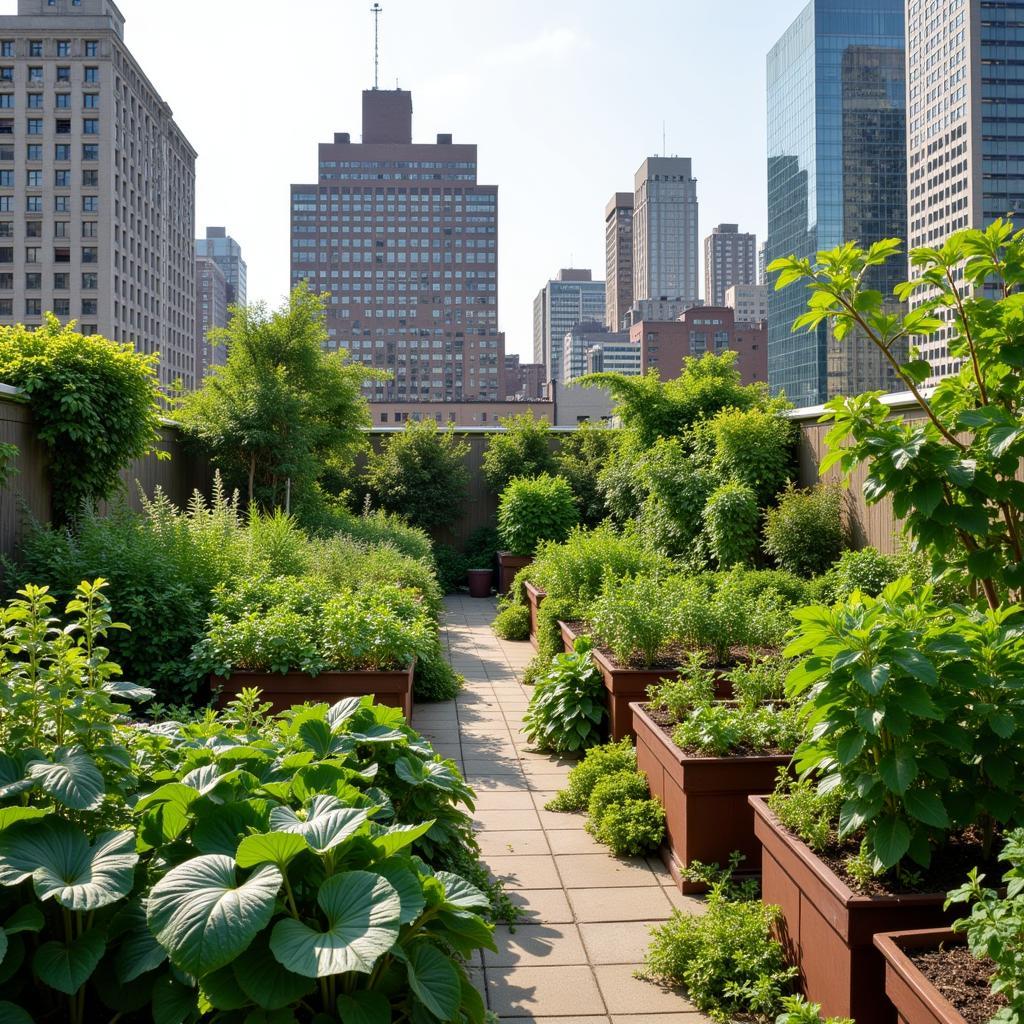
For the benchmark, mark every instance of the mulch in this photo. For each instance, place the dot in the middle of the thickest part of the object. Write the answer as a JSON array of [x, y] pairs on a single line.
[[962, 978]]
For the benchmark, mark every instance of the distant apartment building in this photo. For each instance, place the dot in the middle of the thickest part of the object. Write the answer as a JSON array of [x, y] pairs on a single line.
[[211, 313], [220, 247], [730, 257], [665, 344], [97, 186], [523, 380], [965, 94], [618, 254], [405, 240], [658, 309], [762, 264], [666, 250], [748, 301], [570, 298], [836, 172], [616, 352]]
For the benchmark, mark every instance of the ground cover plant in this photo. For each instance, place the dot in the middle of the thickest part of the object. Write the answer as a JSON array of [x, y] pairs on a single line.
[[567, 710]]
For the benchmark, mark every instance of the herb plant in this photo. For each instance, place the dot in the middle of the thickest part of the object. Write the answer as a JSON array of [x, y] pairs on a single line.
[[634, 617], [567, 708], [535, 509], [596, 764], [622, 816], [512, 622], [522, 448]]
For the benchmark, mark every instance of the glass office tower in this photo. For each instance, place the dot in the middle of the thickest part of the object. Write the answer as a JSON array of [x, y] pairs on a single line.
[[836, 172]]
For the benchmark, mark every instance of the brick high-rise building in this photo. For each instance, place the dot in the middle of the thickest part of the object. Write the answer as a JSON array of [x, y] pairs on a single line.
[[211, 313], [219, 246], [405, 240], [730, 257], [618, 256], [97, 186], [572, 297]]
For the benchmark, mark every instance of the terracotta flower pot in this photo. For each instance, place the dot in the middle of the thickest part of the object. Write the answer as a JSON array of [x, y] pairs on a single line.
[[480, 582], [285, 689], [534, 597], [508, 566], [707, 814], [828, 930], [914, 998]]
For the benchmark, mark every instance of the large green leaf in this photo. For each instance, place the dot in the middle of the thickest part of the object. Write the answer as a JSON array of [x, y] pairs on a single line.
[[219, 827], [324, 823], [270, 848], [137, 950], [11, 1014], [67, 966], [892, 840], [63, 866], [363, 913], [407, 885], [926, 807], [13, 780], [203, 917], [173, 1002], [9, 815], [27, 918], [71, 778], [460, 893], [344, 710], [434, 980], [364, 1008], [121, 689], [267, 983], [398, 837]]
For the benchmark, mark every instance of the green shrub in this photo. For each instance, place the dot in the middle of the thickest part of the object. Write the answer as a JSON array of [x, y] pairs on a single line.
[[434, 678], [631, 828], [522, 448], [731, 517], [797, 1010], [804, 532], [513, 622], [549, 635], [420, 474], [596, 763], [535, 509], [95, 406], [375, 527], [804, 810], [567, 707], [581, 457], [620, 481], [482, 548], [616, 788], [672, 515], [635, 618], [717, 728], [743, 584], [451, 568], [753, 447]]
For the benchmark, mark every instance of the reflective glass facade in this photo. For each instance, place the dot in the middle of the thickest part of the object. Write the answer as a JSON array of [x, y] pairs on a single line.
[[836, 160]]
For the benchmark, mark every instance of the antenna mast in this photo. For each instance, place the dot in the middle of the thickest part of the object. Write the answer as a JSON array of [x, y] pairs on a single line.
[[375, 11]]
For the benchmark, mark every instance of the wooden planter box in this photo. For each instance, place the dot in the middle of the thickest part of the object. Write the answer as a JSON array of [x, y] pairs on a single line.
[[285, 689], [569, 636], [508, 566], [914, 998], [828, 930], [707, 814], [534, 597]]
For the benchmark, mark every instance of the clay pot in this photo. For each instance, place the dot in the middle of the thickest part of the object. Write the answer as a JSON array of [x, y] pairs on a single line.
[[480, 582]]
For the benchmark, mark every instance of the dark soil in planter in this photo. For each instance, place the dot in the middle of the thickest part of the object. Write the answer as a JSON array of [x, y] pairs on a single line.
[[962, 978]]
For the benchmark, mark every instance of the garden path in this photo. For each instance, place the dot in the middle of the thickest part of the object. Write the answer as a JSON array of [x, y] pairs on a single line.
[[586, 915]]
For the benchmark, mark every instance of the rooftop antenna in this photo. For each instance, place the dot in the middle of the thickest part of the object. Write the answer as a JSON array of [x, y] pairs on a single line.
[[375, 11]]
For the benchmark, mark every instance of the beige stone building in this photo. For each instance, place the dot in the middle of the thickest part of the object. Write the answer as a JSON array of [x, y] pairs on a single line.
[[618, 255]]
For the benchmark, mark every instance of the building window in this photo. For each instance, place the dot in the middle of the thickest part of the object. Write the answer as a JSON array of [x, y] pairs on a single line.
[[62, 152], [61, 179], [91, 101], [6, 126], [63, 74], [7, 48], [6, 152], [90, 254], [89, 307], [33, 229], [35, 48], [33, 307], [90, 204], [7, 179], [92, 48], [61, 254], [63, 101], [89, 229], [33, 282], [91, 126], [92, 76], [35, 101], [34, 204], [6, 204], [35, 126], [6, 307], [62, 204], [62, 281], [63, 48], [91, 178], [90, 282], [63, 127], [7, 281], [35, 74], [62, 229], [6, 100], [6, 74], [35, 179], [62, 307], [32, 254], [90, 151]]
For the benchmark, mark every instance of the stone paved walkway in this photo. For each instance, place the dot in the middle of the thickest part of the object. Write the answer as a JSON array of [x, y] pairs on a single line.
[[586, 915]]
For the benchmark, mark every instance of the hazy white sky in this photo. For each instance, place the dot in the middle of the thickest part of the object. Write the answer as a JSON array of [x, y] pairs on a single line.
[[563, 99]]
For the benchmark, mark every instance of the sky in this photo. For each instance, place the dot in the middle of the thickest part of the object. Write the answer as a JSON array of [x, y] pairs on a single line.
[[564, 101]]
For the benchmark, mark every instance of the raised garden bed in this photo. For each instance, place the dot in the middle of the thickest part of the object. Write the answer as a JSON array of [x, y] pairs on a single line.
[[534, 597], [707, 814], [508, 566], [828, 929], [285, 689]]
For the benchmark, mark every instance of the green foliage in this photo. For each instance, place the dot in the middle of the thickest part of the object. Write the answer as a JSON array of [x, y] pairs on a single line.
[[678, 487], [95, 405], [804, 532], [434, 678], [482, 548], [513, 622], [376, 527], [634, 617], [451, 568], [805, 810], [281, 408], [581, 457], [420, 473], [753, 447], [567, 707], [596, 764], [995, 927], [549, 635], [621, 815], [620, 480], [535, 509], [797, 1010], [522, 448], [615, 789], [731, 519], [8, 453]]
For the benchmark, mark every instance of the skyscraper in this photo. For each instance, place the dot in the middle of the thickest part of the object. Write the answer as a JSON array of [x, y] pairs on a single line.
[[965, 85], [406, 242], [220, 247], [666, 251], [569, 299], [618, 253], [730, 257], [836, 145], [97, 186], [211, 313]]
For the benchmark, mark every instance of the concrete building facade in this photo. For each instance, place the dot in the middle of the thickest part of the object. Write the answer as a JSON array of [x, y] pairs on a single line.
[[219, 246], [618, 255], [523, 381], [97, 186], [211, 313], [572, 297], [658, 309], [617, 354], [405, 240], [730, 257], [749, 301]]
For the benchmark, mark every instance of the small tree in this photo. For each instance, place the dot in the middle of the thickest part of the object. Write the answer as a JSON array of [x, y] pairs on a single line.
[[420, 473], [281, 408], [523, 448]]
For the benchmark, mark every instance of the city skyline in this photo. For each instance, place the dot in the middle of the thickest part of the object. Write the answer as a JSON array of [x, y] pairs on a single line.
[[513, 67]]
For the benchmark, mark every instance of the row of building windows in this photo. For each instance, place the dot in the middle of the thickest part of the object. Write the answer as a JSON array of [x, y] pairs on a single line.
[[60, 307], [62, 126], [61, 281], [61, 178], [61, 204], [61, 229], [62, 101], [37, 74], [61, 152], [34, 254]]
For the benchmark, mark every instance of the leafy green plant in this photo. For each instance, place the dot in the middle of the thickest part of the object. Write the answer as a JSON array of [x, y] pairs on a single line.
[[567, 708], [730, 520], [622, 816], [8, 453], [451, 568], [672, 515], [512, 622], [804, 532], [597, 763], [535, 509], [482, 548], [581, 457], [634, 617], [522, 448], [797, 1010], [805, 810], [753, 447]]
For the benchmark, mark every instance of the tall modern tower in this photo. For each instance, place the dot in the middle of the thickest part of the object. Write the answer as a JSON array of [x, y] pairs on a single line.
[[730, 258], [836, 145], [966, 127], [220, 247], [406, 242], [618, 254], [211, 313], [666, 251], [97, 186], [567, 300]]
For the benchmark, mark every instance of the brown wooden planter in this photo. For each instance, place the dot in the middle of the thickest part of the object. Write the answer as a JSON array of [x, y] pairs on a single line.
[[707, 814], [914, 998], [534, 597], [285, 689], [828, 929], [508, 566], [569, 636]]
